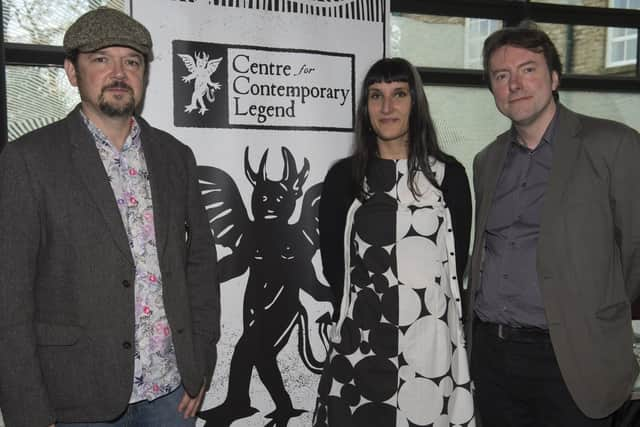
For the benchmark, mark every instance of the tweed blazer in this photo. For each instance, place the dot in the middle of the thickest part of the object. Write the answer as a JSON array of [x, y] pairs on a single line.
[[588, 255], [67, 274]]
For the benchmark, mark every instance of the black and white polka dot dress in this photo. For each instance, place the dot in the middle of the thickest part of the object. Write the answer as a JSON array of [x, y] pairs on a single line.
[[399, 356]]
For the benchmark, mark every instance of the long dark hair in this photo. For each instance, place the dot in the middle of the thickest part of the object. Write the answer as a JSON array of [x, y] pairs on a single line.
[[423, 141]]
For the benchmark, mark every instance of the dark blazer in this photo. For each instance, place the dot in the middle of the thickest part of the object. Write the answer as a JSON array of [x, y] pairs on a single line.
[[67, 274], [338, 195], [588, 257]]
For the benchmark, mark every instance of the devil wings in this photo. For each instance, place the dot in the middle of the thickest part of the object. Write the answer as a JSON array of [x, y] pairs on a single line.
[[228, 219], [199, 64], [272, 206]]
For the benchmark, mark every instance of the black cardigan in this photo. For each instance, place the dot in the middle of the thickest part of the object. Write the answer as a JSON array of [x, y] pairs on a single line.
[[338, 195]]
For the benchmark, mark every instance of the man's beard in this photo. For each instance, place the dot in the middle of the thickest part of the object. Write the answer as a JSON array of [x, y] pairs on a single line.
[[117, 110]]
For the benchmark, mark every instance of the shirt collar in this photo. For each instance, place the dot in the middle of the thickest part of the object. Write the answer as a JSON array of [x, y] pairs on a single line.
[[132, 141], [547, 137]]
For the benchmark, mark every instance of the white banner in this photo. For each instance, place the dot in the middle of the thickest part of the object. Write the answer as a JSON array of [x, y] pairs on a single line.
[[265, 92]]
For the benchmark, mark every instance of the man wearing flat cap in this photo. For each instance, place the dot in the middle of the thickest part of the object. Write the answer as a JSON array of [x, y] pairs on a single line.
[[109, 301]]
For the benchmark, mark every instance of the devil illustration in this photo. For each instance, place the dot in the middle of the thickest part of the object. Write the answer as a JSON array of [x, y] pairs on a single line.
[[278, 256], [200, 69]]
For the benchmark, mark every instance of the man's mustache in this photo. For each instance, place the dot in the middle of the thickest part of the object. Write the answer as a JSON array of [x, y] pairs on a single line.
[[118, 85]]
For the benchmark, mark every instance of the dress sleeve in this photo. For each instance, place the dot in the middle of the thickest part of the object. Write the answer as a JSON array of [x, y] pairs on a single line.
[[457, 196], [334, 204]]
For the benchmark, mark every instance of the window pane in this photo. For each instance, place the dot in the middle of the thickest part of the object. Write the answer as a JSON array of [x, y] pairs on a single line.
[[632, 48], [484, 27], [621, 48], [420, 39], [37, 96], [583, 49], [617, 52], [618, 32], [621, 107], [467, 120], [44, 22], [589, 50]]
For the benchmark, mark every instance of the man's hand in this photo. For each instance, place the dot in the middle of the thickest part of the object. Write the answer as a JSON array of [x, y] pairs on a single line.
[[190, 405]]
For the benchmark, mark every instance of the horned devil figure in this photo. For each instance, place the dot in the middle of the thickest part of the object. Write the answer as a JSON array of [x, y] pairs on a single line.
[[278, 256], [200, 69]]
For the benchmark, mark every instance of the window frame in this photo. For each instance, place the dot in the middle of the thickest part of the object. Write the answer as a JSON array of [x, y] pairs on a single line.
[[611, 39], [472, 62], [4, 127], [510, 12]]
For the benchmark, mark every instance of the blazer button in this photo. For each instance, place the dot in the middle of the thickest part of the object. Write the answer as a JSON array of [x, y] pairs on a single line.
[[126, 283], [126, 345]]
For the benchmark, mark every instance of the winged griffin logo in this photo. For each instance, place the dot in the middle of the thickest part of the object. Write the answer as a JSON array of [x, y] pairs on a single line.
[[278, 256], [200, 68]]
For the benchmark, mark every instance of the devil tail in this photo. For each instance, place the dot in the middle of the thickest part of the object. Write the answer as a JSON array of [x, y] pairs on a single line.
[[211, 94], [304, 345]]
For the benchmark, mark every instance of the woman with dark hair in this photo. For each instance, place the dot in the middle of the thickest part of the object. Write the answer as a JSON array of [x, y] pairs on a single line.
[[395, 220]]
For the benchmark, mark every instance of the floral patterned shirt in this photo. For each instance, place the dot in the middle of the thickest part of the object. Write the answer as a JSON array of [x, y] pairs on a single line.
[[155, 368]]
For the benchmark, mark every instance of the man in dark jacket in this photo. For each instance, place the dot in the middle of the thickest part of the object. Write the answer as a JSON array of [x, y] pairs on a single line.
[[556, 257], [109, 303]]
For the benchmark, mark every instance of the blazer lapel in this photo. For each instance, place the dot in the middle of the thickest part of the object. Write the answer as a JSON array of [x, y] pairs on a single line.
[[565, 153], [87, 163], [160, 184]]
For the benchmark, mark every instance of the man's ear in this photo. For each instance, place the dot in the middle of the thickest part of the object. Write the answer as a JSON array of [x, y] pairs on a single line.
[[555, 80], [70, 69]]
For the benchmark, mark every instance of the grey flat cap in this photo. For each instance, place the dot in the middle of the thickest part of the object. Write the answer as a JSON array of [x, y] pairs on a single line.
[[104, 27]]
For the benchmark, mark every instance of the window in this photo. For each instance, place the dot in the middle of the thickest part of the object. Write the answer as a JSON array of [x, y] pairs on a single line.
[[44, 22], [443, 37], [420, 39], [475, 32], [622, 43], [36, 96], [40, 94]]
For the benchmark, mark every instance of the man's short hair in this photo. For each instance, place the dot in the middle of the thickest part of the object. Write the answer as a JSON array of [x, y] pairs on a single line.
[[528, 36]]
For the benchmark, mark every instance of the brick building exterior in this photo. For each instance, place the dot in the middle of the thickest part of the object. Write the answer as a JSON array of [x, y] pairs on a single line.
[[583, 49]]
